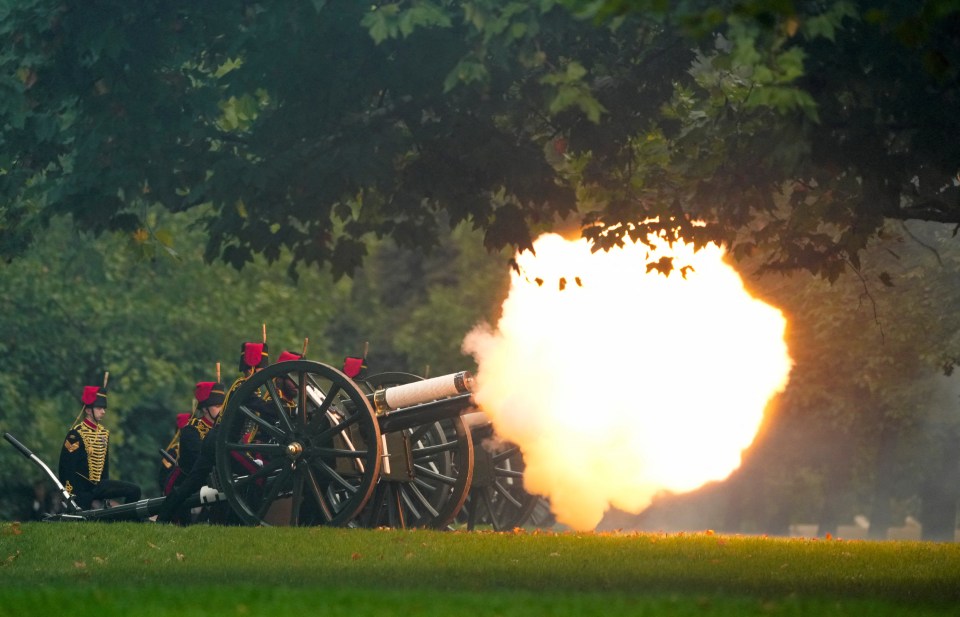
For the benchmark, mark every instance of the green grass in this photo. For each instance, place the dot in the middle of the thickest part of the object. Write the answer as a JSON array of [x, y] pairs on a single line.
[[143, 569]]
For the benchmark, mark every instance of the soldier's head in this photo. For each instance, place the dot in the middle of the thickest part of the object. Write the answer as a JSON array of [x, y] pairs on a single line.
[[288, 387], [253, 357], [210, 396], [94, 399]]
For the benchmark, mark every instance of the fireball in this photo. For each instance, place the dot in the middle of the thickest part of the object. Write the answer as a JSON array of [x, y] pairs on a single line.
[[618, 383]]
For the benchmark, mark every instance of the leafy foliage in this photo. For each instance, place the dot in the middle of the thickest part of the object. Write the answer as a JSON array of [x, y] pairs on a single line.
[[76, 307], [310, 126]]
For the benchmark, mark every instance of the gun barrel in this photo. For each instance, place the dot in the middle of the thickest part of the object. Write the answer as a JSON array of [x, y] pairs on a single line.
[[420, 392], [416, 415]]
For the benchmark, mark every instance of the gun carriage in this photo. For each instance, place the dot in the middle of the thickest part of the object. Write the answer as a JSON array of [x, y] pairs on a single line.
[[302, 444]]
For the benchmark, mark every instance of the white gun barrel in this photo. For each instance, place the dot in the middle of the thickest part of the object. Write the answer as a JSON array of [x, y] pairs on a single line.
[[420, 392]]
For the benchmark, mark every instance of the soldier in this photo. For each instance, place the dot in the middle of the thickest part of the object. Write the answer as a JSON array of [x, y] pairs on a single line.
[[287, 388], [84, 458], [253, 357], [186, 444]]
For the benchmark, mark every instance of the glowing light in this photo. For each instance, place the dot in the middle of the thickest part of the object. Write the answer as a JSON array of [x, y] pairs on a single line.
[[626, 383]]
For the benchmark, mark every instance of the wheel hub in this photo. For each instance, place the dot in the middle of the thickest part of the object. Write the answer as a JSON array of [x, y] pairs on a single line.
[[294, 450]]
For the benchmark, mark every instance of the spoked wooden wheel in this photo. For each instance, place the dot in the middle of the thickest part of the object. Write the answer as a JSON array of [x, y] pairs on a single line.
[[497, 497], [427, 470], [298, 444]]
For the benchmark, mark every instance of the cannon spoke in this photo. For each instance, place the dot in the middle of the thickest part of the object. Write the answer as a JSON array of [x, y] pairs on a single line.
[[267, 469], [296, 497], [272, 449], [329, 396], [252, 416], [405, 505], [439, 477], [396, 516], [487, 499], [505, 494], [506, 454], [509, 473], [422, 499], [420, 432], [317, 493], [279, 407], [432, 452], [274, 486], [338, 428], [301, 401], [317, 452], [336, 477]]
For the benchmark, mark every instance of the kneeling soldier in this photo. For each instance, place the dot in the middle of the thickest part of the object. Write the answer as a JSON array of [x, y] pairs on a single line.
[[85, 460], [253, 357], [185, 447]]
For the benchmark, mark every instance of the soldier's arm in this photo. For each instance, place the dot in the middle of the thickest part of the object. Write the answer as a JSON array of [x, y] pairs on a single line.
[[70, 459], [189, 447]]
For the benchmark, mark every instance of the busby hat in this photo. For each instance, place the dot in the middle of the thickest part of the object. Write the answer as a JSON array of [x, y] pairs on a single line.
[[210, 393], [286, 356], [253, 355], [94, 396]]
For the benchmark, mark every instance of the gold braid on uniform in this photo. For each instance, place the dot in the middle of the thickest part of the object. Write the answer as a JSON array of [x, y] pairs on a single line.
[[95, 441], [202, 427]]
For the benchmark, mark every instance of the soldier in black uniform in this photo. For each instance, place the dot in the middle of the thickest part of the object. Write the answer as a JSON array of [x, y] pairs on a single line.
[[185, 447], [84, 458], [253, 357], [287, 388]]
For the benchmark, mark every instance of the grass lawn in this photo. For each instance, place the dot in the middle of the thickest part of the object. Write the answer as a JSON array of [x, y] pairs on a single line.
[[134, 569]]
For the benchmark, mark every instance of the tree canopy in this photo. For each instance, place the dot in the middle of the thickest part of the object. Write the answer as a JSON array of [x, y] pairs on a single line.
[[788, 129]]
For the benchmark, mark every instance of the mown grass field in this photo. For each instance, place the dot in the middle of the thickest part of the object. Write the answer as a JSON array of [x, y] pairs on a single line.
[[134, 569]]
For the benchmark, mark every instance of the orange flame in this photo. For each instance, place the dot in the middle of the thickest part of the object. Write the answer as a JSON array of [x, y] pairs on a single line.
[[617, 383]]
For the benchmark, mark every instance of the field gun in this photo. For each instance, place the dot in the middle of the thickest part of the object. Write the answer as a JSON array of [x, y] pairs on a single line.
[[300, 443], [388, 450]]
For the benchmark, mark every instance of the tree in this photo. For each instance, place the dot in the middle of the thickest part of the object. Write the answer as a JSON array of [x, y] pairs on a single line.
[[288, 119], [311, 125]]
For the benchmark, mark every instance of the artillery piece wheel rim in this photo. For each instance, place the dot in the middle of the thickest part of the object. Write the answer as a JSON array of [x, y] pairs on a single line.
[[311, 458]]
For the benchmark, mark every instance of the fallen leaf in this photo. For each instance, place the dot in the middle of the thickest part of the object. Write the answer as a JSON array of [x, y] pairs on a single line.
[[355, 556], [100, 560], [79, 564], [152, 545]]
